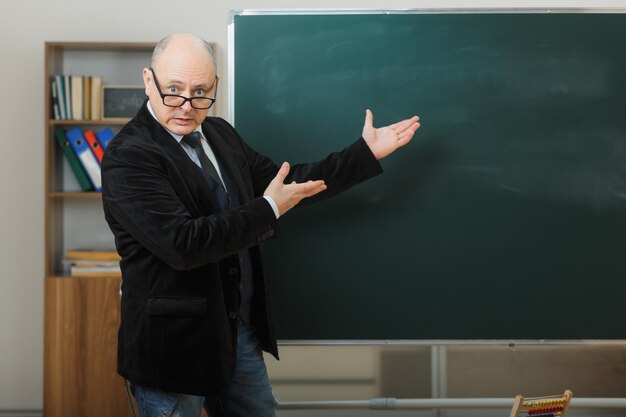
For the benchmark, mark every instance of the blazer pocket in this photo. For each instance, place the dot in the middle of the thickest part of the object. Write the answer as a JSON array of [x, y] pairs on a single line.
[[176, 306]]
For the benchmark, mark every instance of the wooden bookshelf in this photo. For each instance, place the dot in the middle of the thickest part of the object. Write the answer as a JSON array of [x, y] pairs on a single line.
[[74, 218], [81, 313]]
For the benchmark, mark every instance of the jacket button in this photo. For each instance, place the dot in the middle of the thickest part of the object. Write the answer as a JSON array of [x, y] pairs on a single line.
[[232, 315], [233, 271]]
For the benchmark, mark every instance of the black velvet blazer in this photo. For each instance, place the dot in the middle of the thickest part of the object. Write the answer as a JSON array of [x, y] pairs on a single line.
[[179, 264]]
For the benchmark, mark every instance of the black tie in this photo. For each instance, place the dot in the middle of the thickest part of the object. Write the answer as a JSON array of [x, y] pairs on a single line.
[[193, 140]]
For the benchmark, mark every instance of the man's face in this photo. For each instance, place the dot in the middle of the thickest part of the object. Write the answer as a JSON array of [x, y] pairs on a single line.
[[185, 74]]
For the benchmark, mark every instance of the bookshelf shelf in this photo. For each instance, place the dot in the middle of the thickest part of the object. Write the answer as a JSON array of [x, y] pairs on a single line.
[[98, 277], [75, 194], [85, 277], [81, 312], [99, 122]]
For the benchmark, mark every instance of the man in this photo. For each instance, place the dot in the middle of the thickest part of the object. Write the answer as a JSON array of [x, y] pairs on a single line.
[[189, 212]]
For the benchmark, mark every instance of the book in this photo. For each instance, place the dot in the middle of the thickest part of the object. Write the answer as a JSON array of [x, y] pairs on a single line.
[[95, 271], [67, 95], [85, 156], [77, 97], [94, 145], [86, 98], [60, 85], [90, 264], [105, 136], [55, 101], [72, 159], [91, 255], [96, 98]]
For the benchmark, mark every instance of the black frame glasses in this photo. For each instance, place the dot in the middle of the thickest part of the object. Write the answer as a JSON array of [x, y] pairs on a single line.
[[174, 99]]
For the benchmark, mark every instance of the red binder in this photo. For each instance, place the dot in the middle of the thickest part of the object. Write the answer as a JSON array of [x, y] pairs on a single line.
[[94, 145]]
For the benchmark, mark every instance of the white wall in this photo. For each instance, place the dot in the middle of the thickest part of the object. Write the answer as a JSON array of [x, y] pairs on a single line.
[[24, 27]]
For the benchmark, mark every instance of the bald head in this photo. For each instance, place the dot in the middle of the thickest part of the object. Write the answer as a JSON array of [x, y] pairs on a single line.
[[182, 43], [182, 65]]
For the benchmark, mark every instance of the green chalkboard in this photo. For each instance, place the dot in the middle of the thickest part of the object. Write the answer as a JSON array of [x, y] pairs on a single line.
[[505, 218]]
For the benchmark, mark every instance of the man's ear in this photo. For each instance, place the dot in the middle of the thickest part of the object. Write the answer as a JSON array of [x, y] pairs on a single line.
[[147, 80]]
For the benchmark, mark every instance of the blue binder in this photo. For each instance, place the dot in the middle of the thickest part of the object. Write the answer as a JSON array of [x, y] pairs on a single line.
[[85, 156], [105, 136]]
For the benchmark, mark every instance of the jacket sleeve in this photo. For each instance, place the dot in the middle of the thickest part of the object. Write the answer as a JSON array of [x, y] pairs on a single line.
[[340, 170]]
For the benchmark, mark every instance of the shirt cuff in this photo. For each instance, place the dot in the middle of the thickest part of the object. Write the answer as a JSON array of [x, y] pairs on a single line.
[[273, 205]]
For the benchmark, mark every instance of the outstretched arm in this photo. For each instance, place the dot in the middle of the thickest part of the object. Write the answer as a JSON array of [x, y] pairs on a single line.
[[384, 140], [381, 142]]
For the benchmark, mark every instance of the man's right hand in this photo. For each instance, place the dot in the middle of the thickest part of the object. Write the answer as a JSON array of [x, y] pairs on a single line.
[[287, 196]]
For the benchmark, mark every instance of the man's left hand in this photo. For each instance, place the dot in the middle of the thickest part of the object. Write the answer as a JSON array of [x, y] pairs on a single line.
[[387, 139]]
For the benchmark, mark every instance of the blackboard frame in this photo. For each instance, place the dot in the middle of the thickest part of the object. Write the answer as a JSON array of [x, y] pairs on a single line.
[[232, 86]]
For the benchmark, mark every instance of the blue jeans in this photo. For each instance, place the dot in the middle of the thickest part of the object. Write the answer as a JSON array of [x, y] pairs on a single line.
[[248, 395]]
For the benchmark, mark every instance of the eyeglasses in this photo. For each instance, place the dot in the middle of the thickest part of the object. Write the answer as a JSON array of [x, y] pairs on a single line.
[[173, 100]]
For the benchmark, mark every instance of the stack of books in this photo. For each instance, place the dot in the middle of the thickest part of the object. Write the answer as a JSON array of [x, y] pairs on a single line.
[[76, 97], [92, 263]]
